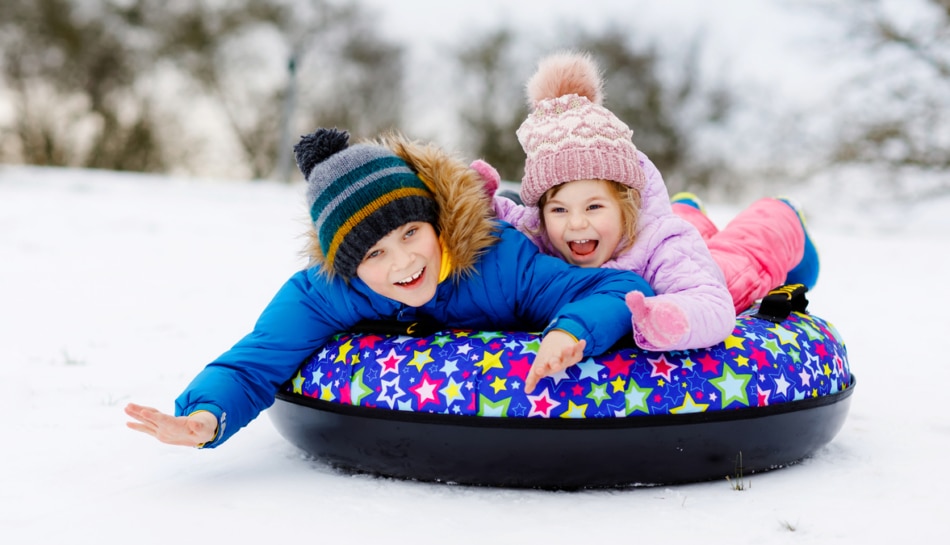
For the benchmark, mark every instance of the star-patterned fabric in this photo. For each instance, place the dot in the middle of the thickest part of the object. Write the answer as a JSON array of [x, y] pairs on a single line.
[[482, 373]]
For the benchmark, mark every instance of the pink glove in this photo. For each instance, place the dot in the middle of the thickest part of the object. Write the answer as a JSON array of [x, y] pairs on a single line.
[[658, 322], [489, 174]]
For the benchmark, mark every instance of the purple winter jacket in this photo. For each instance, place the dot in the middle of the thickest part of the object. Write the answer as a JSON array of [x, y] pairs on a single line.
[[669, 254]]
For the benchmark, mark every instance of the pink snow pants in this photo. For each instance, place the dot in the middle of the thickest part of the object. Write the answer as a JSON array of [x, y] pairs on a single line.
[[755, 250]]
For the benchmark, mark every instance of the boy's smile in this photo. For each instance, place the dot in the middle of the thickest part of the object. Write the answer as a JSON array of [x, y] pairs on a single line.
[[405, 264], [583, 222]]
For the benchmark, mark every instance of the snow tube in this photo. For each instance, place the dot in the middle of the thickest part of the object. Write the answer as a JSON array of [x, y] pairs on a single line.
[[449, 406]]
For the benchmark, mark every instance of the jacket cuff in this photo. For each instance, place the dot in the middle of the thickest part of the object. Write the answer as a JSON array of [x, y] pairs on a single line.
[[219, 415], [572, 328]]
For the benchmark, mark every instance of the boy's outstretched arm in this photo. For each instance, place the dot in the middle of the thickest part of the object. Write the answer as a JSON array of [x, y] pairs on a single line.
[[188, 431], [558, 351]]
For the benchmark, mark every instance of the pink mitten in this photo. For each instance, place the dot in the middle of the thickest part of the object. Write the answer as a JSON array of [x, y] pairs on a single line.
[[489, 174], [660, 323]]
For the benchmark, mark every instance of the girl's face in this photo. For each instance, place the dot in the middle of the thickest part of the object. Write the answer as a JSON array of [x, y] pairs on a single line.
[[405, 264], [583, 221]]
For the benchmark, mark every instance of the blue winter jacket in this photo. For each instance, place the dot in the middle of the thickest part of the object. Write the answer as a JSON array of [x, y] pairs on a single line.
[[513, 287]]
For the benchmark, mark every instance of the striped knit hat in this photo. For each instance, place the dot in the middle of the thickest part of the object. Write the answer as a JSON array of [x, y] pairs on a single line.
[[357, 195], [569, 135]]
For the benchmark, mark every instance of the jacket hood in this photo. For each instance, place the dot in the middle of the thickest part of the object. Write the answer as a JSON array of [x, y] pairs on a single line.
[[467, 225]]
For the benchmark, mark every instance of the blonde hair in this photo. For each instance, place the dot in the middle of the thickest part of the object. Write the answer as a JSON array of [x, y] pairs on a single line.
[[628, 199]]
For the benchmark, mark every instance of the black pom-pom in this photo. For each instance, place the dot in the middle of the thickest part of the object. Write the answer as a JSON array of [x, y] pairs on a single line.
[[315, 147]]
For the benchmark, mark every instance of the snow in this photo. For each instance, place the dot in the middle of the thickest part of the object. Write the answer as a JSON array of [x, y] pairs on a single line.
[[120, 287]]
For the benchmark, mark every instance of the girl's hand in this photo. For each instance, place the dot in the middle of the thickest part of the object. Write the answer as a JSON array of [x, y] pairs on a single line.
[[187, 431], [558, 351], [660, 323]]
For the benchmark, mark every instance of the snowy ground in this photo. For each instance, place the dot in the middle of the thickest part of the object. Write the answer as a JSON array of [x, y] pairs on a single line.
[[118, 288]]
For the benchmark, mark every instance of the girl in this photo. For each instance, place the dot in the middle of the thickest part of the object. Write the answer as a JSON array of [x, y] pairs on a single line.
[[594, 200]]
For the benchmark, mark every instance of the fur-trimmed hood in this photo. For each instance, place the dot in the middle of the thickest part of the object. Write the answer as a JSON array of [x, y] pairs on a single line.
[[467, 225]]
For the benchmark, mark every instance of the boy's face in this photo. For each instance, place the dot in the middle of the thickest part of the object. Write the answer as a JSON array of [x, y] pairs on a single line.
[[405, 264], [583, 221]]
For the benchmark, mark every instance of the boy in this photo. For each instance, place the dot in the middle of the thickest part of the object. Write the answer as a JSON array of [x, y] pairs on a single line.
[[401, 231]]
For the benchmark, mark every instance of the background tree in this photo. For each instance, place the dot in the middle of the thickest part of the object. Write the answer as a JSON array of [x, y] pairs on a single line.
[[663, 98], [493, 104], [147, 84], [897, 114], [71, 74]]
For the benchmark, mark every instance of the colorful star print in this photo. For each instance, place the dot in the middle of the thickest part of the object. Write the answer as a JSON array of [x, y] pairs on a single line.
[[482, 373]]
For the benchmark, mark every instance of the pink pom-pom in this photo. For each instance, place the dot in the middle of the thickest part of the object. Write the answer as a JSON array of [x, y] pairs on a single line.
[[565, 73]]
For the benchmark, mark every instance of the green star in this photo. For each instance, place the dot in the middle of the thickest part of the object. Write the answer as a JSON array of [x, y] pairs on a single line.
[[497, 409], [486, 336], [732, 386], [442, 340], [635, 398], [598, 393]]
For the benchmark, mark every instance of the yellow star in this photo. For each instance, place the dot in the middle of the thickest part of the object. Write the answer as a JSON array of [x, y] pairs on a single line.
[[344, 350], [420, 359], [733, 341], [452, 392], [618, 384], [491, 361], [742, 361], [574, 410], [690, 406], [660, 382], [499, 384], [298, 383]]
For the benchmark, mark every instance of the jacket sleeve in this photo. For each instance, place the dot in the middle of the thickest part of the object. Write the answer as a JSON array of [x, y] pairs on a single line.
[[244, 381], [675, 260], [682, 271], [587, 303]]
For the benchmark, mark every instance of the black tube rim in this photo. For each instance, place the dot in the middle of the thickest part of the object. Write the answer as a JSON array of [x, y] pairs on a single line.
[[639, 421]]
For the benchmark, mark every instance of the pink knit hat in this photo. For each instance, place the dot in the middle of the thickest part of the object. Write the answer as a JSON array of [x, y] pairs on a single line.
[[569, 135]]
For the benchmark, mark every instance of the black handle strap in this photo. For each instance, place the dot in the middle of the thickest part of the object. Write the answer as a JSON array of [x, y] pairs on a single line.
[[420, 328], [782, 301]]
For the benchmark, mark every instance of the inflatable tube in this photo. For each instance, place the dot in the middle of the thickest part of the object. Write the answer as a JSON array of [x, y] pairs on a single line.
[[450, 407]]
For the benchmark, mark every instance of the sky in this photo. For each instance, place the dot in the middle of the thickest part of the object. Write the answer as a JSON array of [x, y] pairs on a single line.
[[121, 287]]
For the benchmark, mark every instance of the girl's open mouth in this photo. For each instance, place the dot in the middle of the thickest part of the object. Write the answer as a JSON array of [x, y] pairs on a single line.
[[582, 247]]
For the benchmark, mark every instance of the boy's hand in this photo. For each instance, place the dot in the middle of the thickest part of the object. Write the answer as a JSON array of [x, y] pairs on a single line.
[[558, 351], [186, 431]]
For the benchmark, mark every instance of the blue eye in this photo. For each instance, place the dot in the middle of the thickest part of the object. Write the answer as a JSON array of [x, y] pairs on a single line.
[[595, 207], [371, 255], [410, 232]]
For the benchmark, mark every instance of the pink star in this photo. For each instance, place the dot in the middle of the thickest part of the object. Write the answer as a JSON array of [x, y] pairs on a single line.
[[519, 368], [618, 365], [662, 367], [426, 390], [369, 341], [709, 363]]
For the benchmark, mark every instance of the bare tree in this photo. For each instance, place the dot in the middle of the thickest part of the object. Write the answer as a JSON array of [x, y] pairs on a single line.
[[70, 76], [896, 115], [89, 81], [493, 105]]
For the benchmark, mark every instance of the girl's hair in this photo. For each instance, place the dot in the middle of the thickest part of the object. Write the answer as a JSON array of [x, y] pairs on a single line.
[[627, 198]]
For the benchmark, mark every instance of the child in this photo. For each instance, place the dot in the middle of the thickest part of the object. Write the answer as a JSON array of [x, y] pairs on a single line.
[[399, 231], [591, 198]]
